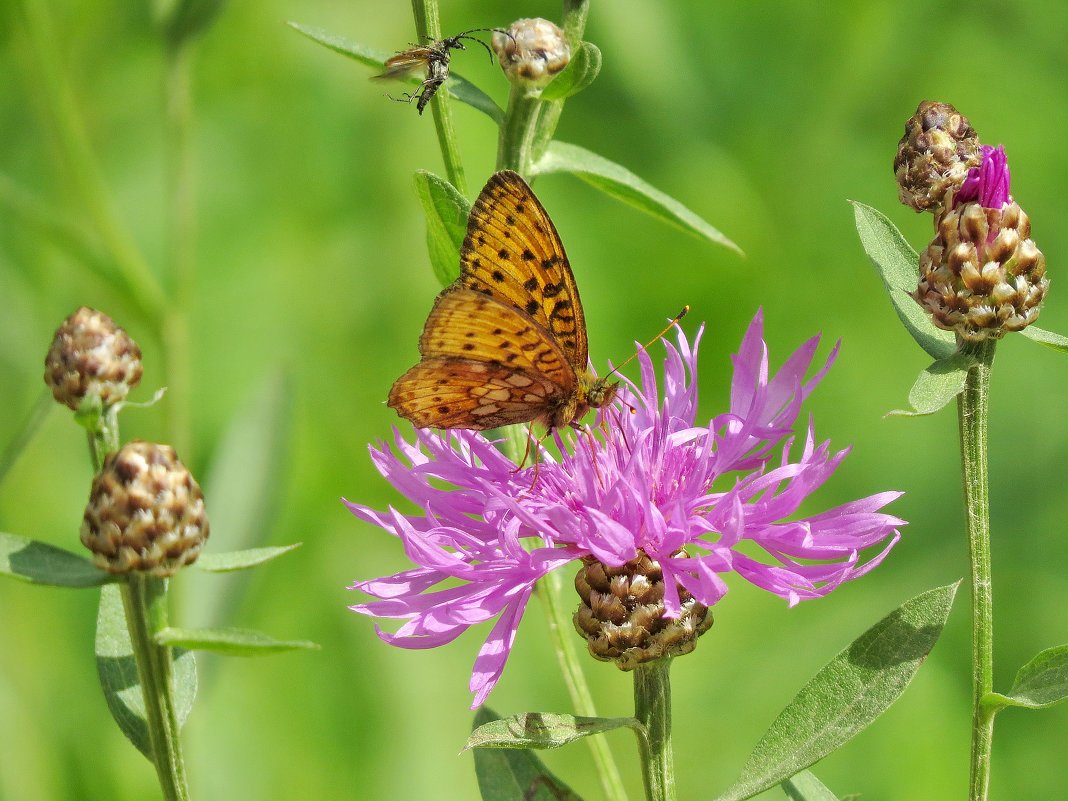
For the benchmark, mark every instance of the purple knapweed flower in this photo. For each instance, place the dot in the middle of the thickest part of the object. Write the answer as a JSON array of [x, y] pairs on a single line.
[[989, 182], [655, 481]]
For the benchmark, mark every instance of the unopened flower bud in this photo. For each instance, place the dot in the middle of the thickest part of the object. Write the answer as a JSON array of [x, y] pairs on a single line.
[[934, 155], [982, 276], [91, 356], [145, 512], [622, 613], [532, 51]]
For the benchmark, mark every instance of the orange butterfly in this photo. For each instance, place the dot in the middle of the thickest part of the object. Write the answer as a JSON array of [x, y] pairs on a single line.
[[506, 342]]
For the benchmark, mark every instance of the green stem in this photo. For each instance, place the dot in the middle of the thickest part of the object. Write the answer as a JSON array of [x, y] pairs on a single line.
[[144, 598], [652, 707], [561, 631], [82, 168], [428, 27], [515, 145], [181, 244], [972, 413]]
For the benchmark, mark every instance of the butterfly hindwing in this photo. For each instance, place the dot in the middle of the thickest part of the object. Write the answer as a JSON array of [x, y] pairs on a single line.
[[512, 252], [451, 392], [470, 325]]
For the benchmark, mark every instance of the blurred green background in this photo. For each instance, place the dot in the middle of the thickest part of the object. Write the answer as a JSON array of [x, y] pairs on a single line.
[[312, 284]]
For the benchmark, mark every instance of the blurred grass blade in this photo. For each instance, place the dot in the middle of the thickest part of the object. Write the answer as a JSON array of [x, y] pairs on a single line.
[[117, 670], [40, 563], [541, 730], [937, 385], [25, 433], [241, 560], [580, 72], [241, 488], [1047, 338], [511, 775], [847, 694], [1040, 683], [230, 641], [621, 183], [181, 20], [460, 88], [806, 787], [898, 266], [446, 223]]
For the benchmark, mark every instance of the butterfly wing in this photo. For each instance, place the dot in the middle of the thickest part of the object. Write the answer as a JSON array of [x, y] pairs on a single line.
[[405, 62], [485, 364], [513, 253], [449, 392]]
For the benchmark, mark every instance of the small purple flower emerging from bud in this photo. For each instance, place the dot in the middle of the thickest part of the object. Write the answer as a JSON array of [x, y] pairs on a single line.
[[665, 503], [989, 182]]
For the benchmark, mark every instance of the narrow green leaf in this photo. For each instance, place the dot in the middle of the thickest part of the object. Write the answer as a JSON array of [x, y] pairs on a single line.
[[41, 563], [241, 560], [621, 183], [898, 266], [847, 694], [230, 641], [368, 56], [460, 88], [515, 775], [241, 485], [1047, 338], [1043, 681], [446, 223], [541, 730], [806, 787], [580, 72], [937, 385], [117, 669]]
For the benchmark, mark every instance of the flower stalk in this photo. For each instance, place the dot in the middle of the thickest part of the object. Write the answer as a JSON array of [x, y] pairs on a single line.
[[144, 599], [652, 707], [972, 412], [428, 27]]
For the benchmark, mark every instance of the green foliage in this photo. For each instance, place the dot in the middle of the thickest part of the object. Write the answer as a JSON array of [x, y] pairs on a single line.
[[240, 560], [41, 563], [847, 694], [117, 670], [230, 641], [446, 223], [622, 184], [898, 266], [1051, 340], [806, 787], [542, 730], [1041, 683], [514, 775], [581, 71], [937, 385]]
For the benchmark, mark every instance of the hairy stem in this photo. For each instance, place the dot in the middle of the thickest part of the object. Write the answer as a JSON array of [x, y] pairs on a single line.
[[972, 413], [652, 707]]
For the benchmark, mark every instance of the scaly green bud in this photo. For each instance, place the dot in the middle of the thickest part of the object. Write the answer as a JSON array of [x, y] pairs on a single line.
[[91, 356], [145, 512]]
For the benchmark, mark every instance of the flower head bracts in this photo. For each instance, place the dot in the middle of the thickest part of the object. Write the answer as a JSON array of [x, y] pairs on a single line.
[[657, 481]]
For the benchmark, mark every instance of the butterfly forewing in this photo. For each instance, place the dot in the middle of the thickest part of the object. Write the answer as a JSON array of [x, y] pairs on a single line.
[[512, 252]]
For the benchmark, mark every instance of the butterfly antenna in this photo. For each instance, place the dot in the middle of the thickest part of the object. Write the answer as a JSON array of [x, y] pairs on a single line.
[[629, 359]]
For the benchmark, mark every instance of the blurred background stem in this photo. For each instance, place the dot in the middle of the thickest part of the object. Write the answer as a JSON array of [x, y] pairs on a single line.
[[181, 242], [82, 169], [972, 413]]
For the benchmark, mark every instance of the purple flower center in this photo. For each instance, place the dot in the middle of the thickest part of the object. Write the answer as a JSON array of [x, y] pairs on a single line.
[[989, 182]]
